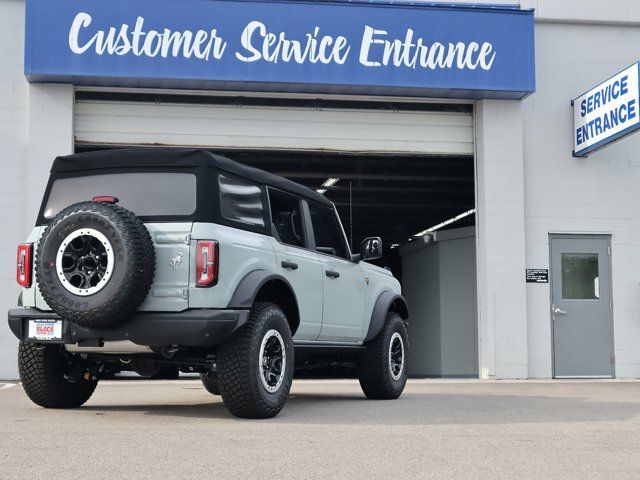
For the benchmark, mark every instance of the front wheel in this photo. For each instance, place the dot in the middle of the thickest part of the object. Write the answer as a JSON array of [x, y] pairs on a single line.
[[255, 367], [53, 378], [383, 369]]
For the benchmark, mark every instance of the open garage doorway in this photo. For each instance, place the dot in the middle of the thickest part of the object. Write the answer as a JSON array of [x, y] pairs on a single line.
[[395, 197], [398, 171]]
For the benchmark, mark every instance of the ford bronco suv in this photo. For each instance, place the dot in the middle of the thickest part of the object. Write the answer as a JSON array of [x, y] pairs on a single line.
[[143, 259]]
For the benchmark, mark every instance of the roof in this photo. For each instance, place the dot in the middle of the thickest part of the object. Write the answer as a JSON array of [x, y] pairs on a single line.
[[177, 157]]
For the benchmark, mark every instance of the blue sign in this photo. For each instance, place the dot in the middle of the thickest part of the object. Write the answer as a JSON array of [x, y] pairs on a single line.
[[607, 112], [354, 47]]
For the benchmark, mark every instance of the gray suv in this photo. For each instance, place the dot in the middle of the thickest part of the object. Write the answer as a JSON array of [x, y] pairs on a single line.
[[147, 259]]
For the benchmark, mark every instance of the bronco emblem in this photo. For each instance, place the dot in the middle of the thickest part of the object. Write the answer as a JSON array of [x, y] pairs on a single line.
[[175, 261]]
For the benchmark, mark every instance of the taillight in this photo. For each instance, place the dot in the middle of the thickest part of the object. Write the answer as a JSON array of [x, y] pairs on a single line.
[[105, 199], [23, 270], [207, 263]]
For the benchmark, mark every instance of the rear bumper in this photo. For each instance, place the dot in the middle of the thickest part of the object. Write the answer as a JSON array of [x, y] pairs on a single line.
[[189, 328]]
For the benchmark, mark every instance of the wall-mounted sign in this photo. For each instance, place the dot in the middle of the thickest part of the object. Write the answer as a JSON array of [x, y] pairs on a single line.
[[607, 112], [373, 47], [537, 275]]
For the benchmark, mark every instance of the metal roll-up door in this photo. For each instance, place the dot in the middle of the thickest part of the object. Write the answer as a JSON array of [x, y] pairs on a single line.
[[228, 125]]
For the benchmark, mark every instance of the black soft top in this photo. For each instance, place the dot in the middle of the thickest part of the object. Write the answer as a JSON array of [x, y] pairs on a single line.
[[176, 157]]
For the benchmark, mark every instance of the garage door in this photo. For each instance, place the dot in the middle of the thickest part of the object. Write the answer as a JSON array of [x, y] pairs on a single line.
[[438, 129]]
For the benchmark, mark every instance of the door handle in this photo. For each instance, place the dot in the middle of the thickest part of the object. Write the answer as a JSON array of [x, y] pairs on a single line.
[[289, 265], [332, 274], [558, 311]]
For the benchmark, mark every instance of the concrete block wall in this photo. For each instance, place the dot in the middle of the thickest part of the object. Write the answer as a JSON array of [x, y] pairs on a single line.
[[36, 124], [528, 183], [598, 194], [14, 109], [502, 309]]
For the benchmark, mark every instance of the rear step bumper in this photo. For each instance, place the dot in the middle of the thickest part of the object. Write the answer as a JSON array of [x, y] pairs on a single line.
[[189, 328]]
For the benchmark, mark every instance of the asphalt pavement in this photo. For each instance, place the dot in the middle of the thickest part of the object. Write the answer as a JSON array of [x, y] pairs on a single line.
[[437, 429]]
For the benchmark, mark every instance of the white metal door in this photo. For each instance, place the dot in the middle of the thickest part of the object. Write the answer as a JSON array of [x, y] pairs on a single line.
[[284, 127]]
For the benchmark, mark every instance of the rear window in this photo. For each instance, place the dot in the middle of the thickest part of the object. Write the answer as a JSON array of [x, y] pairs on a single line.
[[146, 194], [241, 201]]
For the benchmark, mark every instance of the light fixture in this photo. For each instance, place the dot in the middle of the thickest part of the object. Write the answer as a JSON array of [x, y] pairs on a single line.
[[330, 182], [321, 191], [446, 222]]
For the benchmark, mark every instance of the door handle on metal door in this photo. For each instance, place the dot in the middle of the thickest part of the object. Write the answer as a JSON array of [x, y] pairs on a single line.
[[332, 274], [558, 311], [289, 265]]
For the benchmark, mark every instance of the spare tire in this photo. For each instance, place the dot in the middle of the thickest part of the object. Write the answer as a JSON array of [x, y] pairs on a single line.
[[95, 264]]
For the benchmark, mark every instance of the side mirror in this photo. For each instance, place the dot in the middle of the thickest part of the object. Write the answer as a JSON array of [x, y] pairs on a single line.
[[371, 248]]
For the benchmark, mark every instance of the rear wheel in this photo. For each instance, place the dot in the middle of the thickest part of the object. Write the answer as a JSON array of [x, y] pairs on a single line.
[[255, 368], [210, 382], [53, 378], [383, 369]]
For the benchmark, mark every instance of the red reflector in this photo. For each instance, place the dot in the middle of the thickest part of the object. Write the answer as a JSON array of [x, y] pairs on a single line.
[[207, 263], [23, 270], [105, 199]]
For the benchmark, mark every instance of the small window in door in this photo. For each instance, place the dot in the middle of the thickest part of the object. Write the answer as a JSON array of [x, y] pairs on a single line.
[[580, 276], [327, 231], [286, 216]]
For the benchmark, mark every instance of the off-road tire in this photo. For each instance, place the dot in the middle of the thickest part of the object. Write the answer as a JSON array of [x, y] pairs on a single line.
[[210, 382], [238, 365], [374, 372], [42, 372], [133, 269]]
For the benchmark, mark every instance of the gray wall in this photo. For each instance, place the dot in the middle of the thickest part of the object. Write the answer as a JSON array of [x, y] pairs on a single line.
[[458, 319], [420, 287], [528, 185], [598, 194], [439, 284], [500, 203], [14, 130], [36, 125]]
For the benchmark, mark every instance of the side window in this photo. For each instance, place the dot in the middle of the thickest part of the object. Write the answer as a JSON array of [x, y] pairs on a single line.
[[286, 217], [241, 201], [327, 231]]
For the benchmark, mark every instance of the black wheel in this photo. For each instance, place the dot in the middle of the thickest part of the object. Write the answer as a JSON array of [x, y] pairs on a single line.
[[383, 369], [95, 264], [210, 382], [53, 378], [255, 367]]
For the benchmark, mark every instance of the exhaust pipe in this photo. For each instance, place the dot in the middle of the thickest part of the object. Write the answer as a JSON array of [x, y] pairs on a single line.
[[116, 347]]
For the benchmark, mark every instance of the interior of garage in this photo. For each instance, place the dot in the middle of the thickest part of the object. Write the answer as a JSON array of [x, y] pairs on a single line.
[[400, 196]]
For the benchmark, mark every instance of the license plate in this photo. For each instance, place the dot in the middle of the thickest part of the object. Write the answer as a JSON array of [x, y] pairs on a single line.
[[45, 329]]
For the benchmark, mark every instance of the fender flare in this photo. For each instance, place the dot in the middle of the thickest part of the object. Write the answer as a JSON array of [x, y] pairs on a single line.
[[247, 290], [386, 300]]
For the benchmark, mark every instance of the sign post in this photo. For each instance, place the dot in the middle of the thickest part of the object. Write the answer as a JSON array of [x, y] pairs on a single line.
[[607, 112]]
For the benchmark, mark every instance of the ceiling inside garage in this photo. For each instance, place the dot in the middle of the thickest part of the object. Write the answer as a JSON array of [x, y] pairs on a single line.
[[390, 196]]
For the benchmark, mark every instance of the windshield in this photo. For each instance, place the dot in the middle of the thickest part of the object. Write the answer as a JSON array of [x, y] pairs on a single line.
[[145, 194]]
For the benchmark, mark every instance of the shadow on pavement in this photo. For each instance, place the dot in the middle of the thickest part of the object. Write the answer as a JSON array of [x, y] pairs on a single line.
[[411, 409]]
